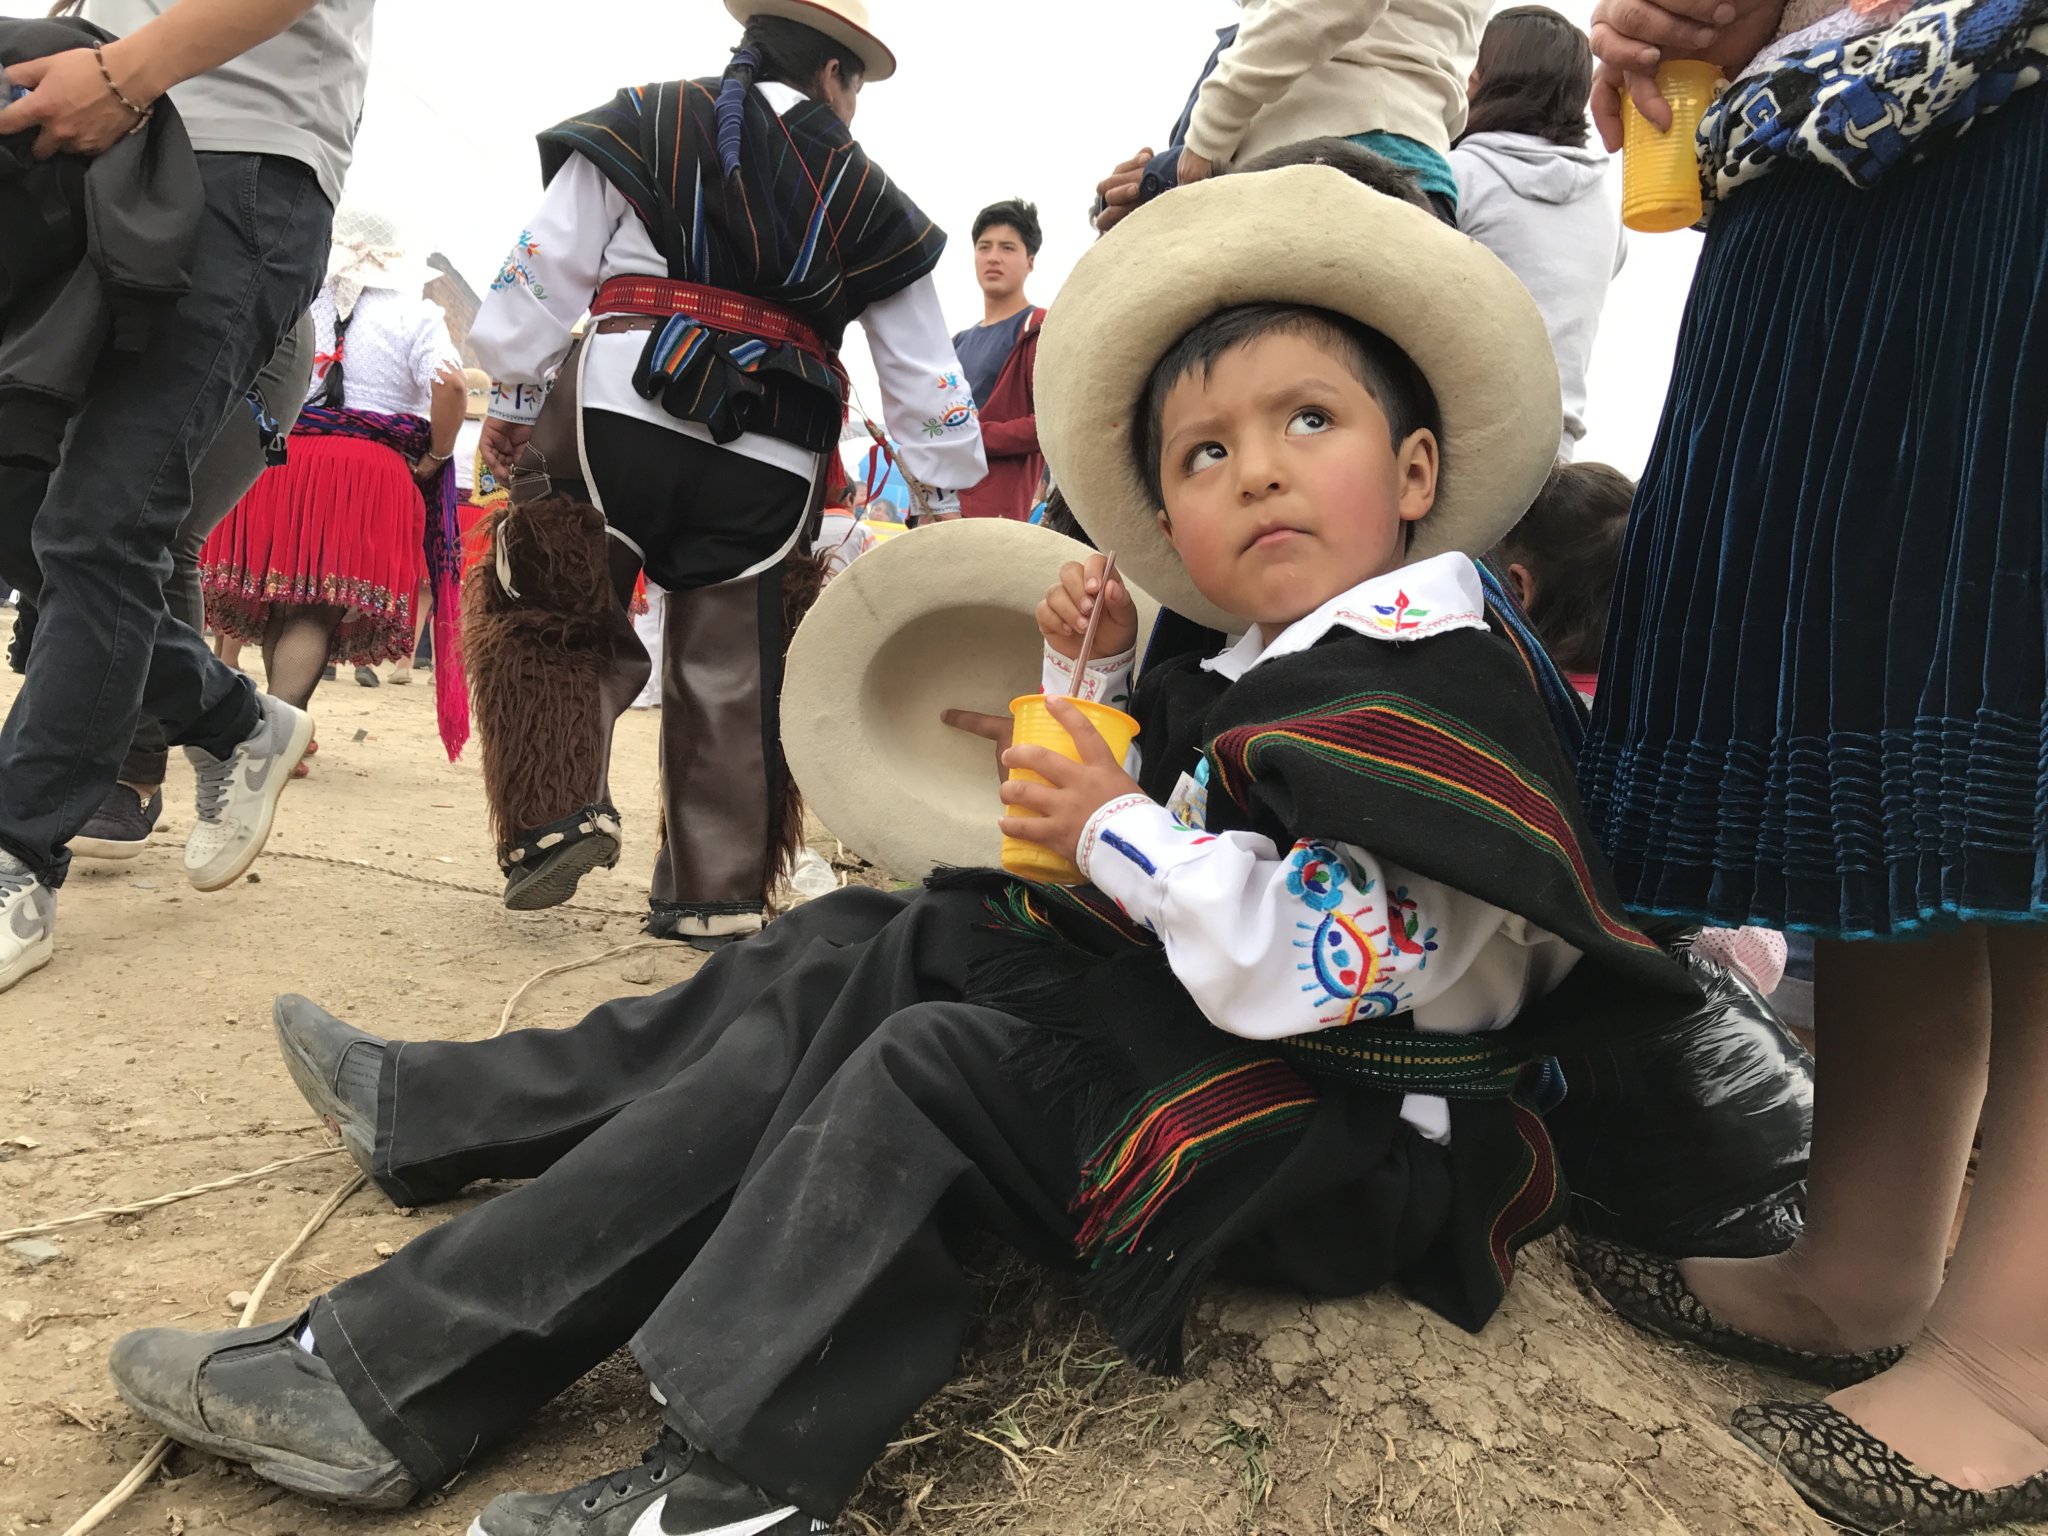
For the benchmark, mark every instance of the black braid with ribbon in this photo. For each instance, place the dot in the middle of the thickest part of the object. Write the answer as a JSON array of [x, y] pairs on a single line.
[[773, 48]]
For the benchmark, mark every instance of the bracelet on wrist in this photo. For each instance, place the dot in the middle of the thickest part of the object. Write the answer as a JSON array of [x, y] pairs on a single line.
[[142, 115]]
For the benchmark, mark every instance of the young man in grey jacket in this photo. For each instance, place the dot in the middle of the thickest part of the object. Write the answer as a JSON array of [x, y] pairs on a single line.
[[270, 92]]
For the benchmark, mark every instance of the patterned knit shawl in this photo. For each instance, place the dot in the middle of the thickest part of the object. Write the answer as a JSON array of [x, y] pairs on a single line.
[[1862, 105], [411, 437], [808, 223], [1439, 756]]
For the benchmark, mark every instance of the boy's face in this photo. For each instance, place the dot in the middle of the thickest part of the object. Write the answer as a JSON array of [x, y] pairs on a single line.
[[1281, 487], [1000, 261]]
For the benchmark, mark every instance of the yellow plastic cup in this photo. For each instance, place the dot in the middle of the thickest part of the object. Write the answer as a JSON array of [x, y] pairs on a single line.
[[1034, 726], [1660, 175]]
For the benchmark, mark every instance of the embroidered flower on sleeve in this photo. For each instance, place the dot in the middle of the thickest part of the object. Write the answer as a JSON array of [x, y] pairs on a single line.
[[518, 269], [1315, 874], [1408, 935]]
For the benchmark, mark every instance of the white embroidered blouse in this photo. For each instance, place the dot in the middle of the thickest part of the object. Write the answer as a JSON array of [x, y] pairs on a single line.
[[397, 345], [1272, 942], [584, 233]]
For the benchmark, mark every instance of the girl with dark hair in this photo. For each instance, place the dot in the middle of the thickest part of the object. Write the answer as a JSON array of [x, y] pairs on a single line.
[[722, 233], [1532, 192]]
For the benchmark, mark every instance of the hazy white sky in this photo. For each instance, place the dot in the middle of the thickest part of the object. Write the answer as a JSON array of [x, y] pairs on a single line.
[[1038, 100]]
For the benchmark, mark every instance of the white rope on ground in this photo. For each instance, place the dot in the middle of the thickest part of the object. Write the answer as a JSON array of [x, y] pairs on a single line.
[[153, 1458], [512, 1002], [440, 885], [34, 1228]]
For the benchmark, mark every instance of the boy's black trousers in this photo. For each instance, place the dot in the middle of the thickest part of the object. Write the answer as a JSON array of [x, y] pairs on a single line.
[[761, 1179]]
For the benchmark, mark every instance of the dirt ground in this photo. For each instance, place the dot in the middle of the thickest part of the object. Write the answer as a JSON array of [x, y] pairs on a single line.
[[141, 1061]]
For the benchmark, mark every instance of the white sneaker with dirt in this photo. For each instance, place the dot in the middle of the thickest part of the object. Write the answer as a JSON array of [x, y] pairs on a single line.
[[237, 798], [28, 922]]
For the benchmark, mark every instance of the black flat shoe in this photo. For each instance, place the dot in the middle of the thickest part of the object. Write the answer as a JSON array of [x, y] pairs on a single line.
[[252, 1395], [1857, 1480], [337, 1067], [1649, 1291]]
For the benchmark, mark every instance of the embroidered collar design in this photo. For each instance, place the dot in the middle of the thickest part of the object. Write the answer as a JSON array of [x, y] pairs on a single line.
[[1412, 603]]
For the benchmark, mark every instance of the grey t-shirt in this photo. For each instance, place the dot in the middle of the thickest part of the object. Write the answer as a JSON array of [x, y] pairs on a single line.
[[299, 95]]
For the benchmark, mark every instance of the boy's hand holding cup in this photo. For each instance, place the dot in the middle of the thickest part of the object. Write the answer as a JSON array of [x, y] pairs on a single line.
[[1063, 757], [1066, 760]]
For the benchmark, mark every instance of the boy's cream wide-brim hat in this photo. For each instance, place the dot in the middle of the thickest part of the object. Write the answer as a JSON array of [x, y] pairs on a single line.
[[941, 618], [844, 21], [1304, 235]]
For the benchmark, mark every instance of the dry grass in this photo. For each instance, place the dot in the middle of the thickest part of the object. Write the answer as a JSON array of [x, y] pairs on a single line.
[[1042, 1405]]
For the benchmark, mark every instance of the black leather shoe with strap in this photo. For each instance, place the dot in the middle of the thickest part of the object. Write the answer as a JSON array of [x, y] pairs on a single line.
[[1650, 1292], [1857, 1480]]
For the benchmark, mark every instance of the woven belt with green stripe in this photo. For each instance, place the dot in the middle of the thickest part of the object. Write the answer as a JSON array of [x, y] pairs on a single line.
[[1407, 1061]]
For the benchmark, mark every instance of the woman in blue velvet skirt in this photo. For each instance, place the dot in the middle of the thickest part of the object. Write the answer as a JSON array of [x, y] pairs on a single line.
[[1824, 708]]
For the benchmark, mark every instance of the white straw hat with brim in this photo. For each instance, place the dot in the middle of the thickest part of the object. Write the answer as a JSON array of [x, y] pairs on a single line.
[[1303, 235], [844, 21], [370, 248], [941, 618]]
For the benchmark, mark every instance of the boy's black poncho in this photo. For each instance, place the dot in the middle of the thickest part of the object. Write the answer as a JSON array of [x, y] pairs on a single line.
[[1440, 755]]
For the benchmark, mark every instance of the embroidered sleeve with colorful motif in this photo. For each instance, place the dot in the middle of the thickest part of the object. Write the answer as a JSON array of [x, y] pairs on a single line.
[[927, 405], [526, 322], [1272, 944]]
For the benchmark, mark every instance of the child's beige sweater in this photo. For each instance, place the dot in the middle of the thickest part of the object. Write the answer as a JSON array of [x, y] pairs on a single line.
[[1304, 68]]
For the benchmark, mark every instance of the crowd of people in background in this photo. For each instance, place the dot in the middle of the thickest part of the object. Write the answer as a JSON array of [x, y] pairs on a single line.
[[1795, 683]]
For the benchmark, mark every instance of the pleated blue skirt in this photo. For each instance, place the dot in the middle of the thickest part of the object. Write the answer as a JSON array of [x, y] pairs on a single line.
[[1824, 698]]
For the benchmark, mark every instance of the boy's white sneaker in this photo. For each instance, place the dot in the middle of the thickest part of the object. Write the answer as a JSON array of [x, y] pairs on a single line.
[[28, 921], [237, 796]]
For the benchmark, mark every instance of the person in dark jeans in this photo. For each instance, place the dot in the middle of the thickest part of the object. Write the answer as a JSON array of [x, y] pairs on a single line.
[[120, 828], [89, 543]]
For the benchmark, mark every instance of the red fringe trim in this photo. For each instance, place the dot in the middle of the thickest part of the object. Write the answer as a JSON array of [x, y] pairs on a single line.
[[340, 524]]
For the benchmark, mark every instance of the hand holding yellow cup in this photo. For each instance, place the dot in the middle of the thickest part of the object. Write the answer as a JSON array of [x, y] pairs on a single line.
[[1034, 726], [1660, 174]]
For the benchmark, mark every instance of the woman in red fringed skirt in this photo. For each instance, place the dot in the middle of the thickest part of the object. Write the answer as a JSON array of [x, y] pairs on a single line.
[[324, 559]]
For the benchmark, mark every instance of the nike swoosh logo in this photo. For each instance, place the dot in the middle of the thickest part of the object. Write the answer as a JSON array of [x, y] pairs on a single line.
[[649, 1523], [253, 779], [27, 921]]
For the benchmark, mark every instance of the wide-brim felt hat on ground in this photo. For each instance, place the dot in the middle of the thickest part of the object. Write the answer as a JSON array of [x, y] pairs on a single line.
[[1303, 235], [844, 21], [942, 618]]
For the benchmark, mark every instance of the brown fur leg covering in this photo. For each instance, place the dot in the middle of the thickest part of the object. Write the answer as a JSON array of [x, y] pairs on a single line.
[[803, 578], [537, 661]]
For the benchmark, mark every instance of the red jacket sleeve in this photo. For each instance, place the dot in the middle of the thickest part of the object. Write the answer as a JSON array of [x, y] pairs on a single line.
[[1010, 439]]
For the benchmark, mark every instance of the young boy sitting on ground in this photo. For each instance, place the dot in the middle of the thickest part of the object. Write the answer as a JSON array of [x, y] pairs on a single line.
[[1295, 1027]]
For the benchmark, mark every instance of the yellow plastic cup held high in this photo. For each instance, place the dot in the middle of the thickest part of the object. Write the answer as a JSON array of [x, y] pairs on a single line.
[[1660, 175], [1034, 726]]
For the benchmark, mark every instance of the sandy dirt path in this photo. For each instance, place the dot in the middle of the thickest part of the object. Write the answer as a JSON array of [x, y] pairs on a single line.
[[141, 1061]]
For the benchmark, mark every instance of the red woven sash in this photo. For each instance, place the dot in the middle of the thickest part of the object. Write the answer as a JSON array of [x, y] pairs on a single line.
[[718, 307]]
